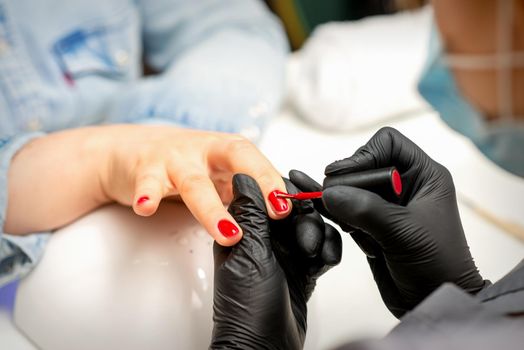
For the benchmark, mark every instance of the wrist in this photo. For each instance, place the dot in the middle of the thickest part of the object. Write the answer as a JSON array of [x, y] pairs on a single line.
[[97, 149]]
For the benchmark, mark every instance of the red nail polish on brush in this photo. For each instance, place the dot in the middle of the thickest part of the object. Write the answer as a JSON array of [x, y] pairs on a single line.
[[279, 204], [300, 195]]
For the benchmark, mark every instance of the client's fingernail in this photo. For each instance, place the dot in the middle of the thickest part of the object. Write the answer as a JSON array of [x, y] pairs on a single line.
[[227, 228], [279, 204], [142, 200]]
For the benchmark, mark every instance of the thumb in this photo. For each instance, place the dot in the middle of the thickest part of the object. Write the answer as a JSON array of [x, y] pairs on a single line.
[[364, 210]]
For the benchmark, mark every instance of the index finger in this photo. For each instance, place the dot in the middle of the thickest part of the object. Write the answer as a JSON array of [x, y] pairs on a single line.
[[238, 155]]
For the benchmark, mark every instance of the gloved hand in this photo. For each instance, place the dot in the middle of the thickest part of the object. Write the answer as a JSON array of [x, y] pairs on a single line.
[[262, 284], [414, 245]]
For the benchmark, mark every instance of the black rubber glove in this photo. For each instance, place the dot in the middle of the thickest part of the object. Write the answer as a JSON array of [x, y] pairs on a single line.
[[262, 284], [414, 245]]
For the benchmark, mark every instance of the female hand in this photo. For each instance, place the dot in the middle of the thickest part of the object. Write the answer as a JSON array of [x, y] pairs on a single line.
[[145, 164]]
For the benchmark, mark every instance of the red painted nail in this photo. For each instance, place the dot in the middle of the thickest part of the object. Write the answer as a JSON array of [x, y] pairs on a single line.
[[142, 200], [397, 182], [279, 204], [227, 228]]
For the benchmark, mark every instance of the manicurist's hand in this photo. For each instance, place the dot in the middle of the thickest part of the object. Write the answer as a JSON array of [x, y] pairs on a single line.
[[262, 284], [57, 178], [414, 245]]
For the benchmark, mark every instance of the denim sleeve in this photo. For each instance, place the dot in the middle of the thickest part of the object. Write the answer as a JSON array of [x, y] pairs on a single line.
[[221, 62], [18, 254]]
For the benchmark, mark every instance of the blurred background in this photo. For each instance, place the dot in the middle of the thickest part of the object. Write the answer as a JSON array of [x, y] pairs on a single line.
[[301, 17]]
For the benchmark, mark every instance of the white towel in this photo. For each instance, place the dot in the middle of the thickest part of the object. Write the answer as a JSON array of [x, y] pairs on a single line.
[[355, 74]]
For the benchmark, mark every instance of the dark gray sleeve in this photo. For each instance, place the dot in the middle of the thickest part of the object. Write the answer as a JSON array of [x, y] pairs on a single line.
[[450, 319]]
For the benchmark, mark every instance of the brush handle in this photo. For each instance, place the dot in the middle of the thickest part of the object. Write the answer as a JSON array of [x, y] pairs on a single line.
[[388, 178], [383, 178]]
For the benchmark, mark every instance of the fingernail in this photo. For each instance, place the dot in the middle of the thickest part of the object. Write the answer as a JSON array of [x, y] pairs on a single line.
[[142, 199], [227, 228], [279, 204]]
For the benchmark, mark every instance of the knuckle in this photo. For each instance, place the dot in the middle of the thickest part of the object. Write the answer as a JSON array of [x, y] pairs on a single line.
[[148, 181], [385, 129], [146, 152], [235, 136], [362, 208], [387, 132], [446, 176], [443, 170], [264, 179], [239, 145]]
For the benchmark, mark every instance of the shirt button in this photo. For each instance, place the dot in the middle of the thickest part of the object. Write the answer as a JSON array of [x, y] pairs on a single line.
[[121, 58], [34, 124]]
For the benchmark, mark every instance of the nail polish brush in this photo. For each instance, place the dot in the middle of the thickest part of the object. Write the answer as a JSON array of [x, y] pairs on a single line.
[[380, 180]]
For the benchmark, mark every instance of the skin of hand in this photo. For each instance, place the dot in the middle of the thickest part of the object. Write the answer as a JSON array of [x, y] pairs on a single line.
[[414, 245], [59, 177], [263, 283]]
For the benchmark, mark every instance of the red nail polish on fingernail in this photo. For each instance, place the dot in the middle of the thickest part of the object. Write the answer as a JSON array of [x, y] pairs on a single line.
[[227, 228], [142, 199], [279, 204]]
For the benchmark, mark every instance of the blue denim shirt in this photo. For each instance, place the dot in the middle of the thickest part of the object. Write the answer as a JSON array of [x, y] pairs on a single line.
[[67, 64]]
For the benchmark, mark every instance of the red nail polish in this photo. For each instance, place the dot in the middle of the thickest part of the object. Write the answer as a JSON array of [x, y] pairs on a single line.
[[396, 181], [142, 199], [279, 204], [227, 228]]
